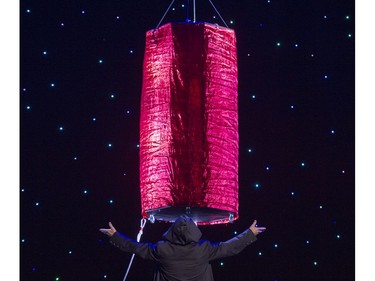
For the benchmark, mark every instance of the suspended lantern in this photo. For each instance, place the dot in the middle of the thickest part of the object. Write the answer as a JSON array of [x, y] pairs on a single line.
[[189, 124]]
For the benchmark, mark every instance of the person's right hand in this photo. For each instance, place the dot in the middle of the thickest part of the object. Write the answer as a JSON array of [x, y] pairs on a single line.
[[255, 229], [109, 231]]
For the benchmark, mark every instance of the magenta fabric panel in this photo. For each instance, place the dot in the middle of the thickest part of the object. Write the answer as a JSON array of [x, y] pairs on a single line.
[[189, 118]]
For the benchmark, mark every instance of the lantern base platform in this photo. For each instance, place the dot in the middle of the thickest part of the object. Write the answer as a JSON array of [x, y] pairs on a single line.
[[201, 215]]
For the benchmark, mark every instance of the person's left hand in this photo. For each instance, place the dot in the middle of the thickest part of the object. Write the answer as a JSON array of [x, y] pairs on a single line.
[[109, 231], [256, 229]]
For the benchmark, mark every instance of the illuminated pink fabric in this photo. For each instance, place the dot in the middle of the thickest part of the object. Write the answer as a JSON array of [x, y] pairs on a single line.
[[189, 119]]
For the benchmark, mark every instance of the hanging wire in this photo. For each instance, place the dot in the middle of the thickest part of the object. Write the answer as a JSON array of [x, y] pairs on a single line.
[[218, 13], [170, 5], [194, 16], [143, 223], [194, 20]]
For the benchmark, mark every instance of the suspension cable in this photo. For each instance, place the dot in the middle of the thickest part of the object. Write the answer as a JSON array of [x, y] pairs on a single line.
[[170, 5], [143, 223], [194, 13], [218, 13]]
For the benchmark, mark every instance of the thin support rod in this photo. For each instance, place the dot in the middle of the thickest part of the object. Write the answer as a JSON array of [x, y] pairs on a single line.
[[218, 13], [170, 5], [188, 12], [195, 18]]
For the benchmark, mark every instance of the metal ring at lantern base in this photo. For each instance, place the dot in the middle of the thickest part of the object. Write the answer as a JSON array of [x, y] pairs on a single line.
[[200, 215]]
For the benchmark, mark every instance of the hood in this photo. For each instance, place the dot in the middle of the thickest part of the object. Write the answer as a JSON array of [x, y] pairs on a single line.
[[183, 231]]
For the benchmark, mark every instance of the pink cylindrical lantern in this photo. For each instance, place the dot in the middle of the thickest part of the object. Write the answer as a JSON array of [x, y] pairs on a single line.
[[189, 123]]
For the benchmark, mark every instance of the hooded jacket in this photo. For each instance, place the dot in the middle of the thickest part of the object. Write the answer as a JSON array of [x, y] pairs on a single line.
[[181, 255]]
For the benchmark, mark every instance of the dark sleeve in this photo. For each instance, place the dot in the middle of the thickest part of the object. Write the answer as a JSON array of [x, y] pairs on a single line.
[[233, 246], [126, 244]]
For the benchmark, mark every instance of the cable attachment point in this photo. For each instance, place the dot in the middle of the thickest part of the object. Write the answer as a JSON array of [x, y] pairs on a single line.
[[151, 218], [231, 217]]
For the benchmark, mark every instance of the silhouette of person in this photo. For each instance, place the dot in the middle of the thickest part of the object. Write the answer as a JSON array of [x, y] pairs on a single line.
[[181, 255]]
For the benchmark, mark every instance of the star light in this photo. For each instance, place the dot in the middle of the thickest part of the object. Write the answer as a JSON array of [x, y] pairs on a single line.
[[100, 61], [52, 84], [349, 35], [249, 150], [315, 263], [231, 22], [61, 128], [111, 201], [221, 263], [37, 204], [28, 107], [109, 145], [303, 164], [28, 11], [278, 44], [44, 52]]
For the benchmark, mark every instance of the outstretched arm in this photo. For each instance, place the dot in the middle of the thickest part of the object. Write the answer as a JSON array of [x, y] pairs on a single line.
[[126, 244], [109, 231], [237, 243], [255, 229]]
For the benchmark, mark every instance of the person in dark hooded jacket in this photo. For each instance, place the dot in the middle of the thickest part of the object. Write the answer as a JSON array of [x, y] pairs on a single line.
[[181, 255]]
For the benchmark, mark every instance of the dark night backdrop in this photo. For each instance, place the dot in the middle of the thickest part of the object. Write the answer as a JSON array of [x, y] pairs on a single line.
[[80, 84]]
